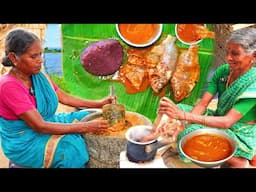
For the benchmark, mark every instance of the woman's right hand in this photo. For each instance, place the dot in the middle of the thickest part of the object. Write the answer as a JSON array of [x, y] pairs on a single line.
[[168, 107], [96, 126]]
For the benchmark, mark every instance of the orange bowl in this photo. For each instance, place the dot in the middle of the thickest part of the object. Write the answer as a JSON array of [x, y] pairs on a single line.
[[139, 35]]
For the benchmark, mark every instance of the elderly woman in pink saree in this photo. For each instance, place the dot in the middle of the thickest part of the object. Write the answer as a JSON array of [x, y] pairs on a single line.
[[235, 85], [32, 135]]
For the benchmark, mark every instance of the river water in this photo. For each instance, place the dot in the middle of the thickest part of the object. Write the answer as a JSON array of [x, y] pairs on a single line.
[[53, 63]]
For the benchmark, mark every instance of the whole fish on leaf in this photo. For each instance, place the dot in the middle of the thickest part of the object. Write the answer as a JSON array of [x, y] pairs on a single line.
[[133, 74], [165, 54], [186, 74]]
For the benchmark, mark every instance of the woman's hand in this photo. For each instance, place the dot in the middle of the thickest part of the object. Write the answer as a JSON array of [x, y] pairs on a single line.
[[96, 126], [166, 106], [169, 129], [108, 100]]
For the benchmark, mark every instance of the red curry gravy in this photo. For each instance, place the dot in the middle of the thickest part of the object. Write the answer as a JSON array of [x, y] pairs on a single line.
[[208, 147], [187, 32], [119, 130], [139, 33]]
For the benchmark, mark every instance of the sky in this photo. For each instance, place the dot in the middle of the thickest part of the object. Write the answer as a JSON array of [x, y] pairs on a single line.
[[53, 36]]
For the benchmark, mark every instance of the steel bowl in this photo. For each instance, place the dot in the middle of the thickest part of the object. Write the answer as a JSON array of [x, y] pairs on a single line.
[[193, 42], [214, 131]]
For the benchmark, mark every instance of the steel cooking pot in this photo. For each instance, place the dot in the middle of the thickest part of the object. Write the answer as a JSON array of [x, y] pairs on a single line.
[[137, 151]]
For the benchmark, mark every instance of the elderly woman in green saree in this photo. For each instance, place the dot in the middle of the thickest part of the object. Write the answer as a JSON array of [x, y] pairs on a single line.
[[234, 84], [32, 134]]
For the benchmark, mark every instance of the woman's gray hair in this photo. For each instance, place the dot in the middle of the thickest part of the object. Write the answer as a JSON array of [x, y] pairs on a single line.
[[246, 37], [18, 41]]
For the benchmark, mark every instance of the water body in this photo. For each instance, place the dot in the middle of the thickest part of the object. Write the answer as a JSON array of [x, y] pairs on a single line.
[[53, 63]]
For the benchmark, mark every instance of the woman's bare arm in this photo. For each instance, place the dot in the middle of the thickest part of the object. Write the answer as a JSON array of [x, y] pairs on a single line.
[[73, 101], [202, 105], [36, 122], [169, 108]]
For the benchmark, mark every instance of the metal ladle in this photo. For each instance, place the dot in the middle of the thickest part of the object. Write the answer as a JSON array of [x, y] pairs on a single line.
[[114, 113]]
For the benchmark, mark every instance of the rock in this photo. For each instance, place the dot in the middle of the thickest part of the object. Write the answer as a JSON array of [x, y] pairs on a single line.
[[104, 150]]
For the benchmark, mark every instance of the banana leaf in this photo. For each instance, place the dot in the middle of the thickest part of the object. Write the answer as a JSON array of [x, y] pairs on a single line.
[[78, 82]]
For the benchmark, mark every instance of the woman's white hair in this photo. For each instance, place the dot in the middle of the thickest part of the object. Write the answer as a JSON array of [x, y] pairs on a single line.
[[246, 37]]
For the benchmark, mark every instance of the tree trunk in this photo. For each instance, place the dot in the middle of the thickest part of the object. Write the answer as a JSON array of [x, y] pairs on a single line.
[[222, 32]]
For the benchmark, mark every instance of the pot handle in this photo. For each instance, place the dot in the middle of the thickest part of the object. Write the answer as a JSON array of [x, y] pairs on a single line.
[[153, 146]]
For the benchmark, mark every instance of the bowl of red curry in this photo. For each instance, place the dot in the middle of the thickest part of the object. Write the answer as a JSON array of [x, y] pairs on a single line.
[[139, 35], [188, 33], [208, 147]]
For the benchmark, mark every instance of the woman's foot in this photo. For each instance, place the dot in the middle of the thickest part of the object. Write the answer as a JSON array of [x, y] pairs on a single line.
[[236, 162]]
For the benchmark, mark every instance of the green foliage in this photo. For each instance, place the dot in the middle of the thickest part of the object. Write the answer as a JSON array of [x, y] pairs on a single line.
[[60, 81]]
